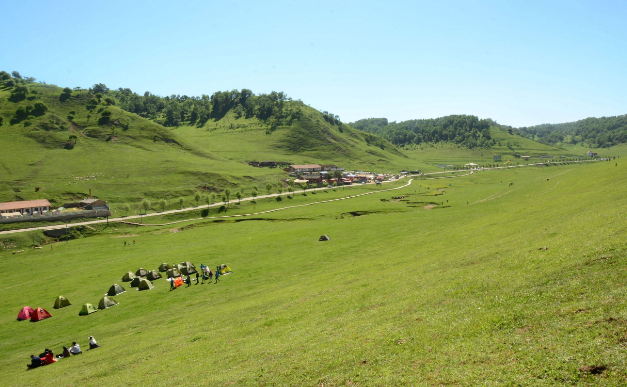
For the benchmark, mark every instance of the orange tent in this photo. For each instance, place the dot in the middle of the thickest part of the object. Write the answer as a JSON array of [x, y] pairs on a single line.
[[178, 281], [39, 314], [25, 313]]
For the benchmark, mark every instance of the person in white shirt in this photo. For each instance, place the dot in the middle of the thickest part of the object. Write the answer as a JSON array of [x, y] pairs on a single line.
[[75, 349], [92, 343]]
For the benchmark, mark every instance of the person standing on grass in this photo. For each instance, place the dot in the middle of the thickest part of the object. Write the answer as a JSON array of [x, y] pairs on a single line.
[[188, 280], [197, 278], [217, 274], [172, 287]]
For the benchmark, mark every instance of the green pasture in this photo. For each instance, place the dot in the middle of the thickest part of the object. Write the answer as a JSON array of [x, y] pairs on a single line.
[[521, 286]]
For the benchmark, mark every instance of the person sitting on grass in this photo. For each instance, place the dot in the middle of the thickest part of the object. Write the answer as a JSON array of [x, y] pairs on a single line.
[[92, 343], [49, 358], [75, 349], [66, 352], [35, 361]]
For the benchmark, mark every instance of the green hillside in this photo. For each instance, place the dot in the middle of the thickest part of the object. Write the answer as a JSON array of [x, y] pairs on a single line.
[[66, 142], [594, 132], [464, 281]]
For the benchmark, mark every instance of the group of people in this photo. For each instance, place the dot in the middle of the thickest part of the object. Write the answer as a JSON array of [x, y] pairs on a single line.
[[47, 356], [207, 274]]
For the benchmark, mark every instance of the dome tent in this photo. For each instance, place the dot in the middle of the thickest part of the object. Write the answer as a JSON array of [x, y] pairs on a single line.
[[87, 309], [39, 314], [135, 282], [164, 267], [187, 268], [128, 276], [61, 302], [141, 272], [172, 273], [153, 275], [25, 313], [145, 285], [106, 302], [115, 289]]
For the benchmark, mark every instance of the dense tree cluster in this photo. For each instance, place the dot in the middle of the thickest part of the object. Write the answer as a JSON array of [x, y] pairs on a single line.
[[465, 130], [175, 110], [596, 132]]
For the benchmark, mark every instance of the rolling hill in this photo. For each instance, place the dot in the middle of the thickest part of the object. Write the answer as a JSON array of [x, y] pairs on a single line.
[[65, 142]]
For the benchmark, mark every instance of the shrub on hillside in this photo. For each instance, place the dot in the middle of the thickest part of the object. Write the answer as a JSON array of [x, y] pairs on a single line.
[[19, 94], [105, 117], [65, 95], [39, 109]]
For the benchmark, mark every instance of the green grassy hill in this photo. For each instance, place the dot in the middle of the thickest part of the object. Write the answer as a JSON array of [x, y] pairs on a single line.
[[86, 141], [461, 281]]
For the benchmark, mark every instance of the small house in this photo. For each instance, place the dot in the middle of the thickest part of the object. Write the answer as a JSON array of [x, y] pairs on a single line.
[[93, 204], [497, 157], [306, 168], [25, 207]]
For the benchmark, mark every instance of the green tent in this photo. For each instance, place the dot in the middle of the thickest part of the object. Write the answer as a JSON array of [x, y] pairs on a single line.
[[141, 272], [224, 269], [145, 285], [61, 302], [172, 273], [164, 267], [87, 309], [153, 275], [135, 282], [188, 268], [106, 302], [116, 289], [128, 276]]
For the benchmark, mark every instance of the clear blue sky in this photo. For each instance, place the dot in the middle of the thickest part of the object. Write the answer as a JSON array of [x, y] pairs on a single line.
[[518, 62]]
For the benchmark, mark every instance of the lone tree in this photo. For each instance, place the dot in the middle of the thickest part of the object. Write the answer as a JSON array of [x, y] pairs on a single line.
[[303, 186], [145, 205], [227, 193], [238, 195], [126, 208], [268, 188], [16, 74], [279, 188], [207, 200], [254, 194], [162, 204], [291, 186], [213, 197], [197, 198], [181, 201]]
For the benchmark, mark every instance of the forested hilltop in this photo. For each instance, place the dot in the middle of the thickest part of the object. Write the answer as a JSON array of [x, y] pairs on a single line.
[[465, 130], [595, 132]]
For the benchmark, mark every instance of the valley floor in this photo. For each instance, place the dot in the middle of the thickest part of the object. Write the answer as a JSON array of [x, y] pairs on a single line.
[[459, 281]]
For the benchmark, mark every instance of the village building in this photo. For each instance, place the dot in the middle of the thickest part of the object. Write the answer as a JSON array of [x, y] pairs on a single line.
[[93, 204], [25, 207], [497, 157], [305, 168], [591, 154]]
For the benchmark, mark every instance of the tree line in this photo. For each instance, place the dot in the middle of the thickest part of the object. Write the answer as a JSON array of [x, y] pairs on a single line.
[[465, 130], [596, 132], [275, 108]]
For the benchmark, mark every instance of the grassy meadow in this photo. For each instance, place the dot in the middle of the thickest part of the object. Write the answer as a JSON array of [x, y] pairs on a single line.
[[459, 281]]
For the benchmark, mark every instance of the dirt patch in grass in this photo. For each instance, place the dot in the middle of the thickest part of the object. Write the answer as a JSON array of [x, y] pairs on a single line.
[[430, 206], [594, 370], [124, 236]]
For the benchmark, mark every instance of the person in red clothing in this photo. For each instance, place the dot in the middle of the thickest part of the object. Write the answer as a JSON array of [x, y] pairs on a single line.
[[49, 358]]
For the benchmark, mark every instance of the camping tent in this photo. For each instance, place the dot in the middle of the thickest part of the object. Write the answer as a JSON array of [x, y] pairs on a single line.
[[39, 314], [145, 285], [178, 267], [61, 302], [128, 276], [141, 272], [106, 302], [116, 289], [324, 238], [87, 309], [25, 313], [164, 267], [224, 269], [135, 282], [188, 268], [173, 273], [153, 275]]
